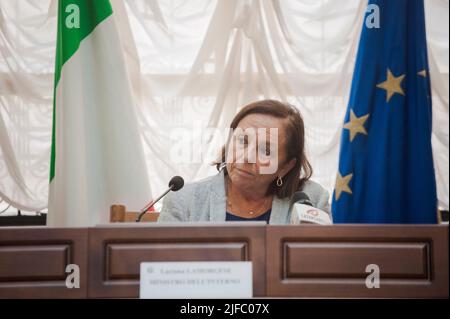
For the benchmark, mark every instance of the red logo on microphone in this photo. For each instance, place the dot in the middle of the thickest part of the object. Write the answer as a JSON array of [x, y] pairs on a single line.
[[313, 212]]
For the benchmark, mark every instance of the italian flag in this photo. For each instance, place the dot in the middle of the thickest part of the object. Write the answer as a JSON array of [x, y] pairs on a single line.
[[96, 158]]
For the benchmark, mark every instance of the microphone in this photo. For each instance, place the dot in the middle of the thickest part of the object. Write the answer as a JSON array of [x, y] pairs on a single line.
[[176, 183], [304, 212]]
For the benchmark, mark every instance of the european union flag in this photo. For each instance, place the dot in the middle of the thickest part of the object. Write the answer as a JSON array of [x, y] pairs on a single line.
[[386, 172]]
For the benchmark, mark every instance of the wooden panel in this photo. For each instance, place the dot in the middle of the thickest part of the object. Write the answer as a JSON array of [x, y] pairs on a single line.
[[124, 259], [115, 253], [33, 262], [399, 260], [50, 266], [330, 261]]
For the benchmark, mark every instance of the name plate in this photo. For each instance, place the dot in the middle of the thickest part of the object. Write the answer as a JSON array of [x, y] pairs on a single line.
[[182, 280]]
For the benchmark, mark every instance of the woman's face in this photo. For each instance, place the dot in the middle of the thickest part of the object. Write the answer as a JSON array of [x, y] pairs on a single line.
[[256, 153]]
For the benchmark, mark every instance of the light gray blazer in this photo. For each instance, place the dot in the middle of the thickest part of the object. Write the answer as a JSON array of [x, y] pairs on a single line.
[[205, 200]]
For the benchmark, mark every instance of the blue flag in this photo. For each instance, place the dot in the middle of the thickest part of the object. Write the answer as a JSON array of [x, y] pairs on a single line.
[[386, 172]]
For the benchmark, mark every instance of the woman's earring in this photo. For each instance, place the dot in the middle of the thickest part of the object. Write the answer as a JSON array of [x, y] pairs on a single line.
[[279, 181]]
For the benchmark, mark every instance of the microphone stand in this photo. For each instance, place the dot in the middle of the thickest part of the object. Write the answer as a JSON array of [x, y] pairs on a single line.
[[153, 202]]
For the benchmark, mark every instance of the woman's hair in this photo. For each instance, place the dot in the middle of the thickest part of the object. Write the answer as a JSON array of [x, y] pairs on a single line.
[[295, 144]]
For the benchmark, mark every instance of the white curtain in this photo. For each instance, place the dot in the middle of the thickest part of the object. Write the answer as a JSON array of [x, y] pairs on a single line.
[[193, 64]]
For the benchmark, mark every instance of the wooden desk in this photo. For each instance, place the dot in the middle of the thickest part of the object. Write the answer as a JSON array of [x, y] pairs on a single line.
[[288, 261]]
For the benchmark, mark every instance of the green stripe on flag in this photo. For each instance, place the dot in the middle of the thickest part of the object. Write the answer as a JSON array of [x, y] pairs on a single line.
[[91, 14]]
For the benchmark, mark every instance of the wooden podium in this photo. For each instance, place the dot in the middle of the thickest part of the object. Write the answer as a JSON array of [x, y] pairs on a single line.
[[288, 261]]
